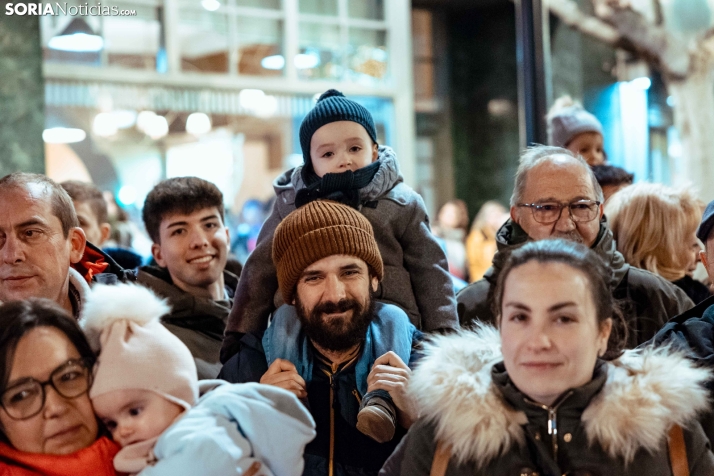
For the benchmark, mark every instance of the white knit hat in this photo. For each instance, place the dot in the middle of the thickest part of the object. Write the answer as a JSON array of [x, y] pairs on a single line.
[[135, 350]]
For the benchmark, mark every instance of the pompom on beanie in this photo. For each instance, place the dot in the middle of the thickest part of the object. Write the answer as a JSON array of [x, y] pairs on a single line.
[[136, 351], [333, 106], [315, 231]]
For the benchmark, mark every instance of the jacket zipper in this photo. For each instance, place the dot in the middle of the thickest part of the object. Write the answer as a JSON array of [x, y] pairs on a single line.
[[552, 421], [356, 394], [332, 427], [334, 367]]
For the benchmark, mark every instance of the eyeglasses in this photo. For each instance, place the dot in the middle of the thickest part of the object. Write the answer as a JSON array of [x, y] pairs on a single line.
[[550, 212], [26, 398]]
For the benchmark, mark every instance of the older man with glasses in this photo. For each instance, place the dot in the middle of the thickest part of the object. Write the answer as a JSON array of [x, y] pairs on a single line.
[[556, 195]]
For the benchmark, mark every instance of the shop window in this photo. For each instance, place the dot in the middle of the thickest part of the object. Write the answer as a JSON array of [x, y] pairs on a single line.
[[259, 44], [367, 55], [369, 9], [318, 7], [320, 53], [204, 41]]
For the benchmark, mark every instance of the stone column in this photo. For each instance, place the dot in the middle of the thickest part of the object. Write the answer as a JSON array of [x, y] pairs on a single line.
[[22, 94]]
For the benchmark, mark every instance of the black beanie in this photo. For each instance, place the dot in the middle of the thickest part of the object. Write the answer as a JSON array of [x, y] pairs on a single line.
[[333, 106]]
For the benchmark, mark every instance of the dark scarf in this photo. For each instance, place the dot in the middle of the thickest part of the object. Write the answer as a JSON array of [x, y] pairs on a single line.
[[343, 187]]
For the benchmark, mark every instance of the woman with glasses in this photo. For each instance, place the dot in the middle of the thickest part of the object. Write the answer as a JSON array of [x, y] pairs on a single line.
[[47, 425], [549, 393], [655, 229]]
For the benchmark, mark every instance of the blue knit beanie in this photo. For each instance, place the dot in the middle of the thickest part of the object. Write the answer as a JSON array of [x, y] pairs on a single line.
[[333, 106]]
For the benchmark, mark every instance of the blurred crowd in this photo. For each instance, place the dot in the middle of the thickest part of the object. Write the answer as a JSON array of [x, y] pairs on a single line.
[[332, 330]]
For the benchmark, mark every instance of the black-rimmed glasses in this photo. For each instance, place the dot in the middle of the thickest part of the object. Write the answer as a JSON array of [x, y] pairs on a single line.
[[26, 398], [550, 212]]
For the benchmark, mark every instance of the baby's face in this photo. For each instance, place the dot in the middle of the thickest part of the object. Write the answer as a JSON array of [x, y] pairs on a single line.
[[135, 415], [341, 146]]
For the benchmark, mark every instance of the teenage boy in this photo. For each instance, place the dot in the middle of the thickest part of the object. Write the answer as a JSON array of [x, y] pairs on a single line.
[[184, 218]]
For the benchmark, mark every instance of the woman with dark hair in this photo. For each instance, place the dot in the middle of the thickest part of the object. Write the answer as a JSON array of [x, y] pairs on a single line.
[[550, 392], [47, 425]]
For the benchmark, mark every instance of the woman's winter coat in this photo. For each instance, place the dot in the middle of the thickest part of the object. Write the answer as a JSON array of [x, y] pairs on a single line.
[[95, 460], [415, 269], [617, 424]]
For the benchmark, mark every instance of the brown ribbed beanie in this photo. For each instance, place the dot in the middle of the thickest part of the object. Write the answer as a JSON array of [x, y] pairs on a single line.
[[315, 231]]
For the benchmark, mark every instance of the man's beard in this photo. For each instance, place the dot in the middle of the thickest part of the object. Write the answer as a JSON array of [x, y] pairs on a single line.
[[336, 334]]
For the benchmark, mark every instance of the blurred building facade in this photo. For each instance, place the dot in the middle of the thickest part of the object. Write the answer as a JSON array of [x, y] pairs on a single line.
[[217, 88]]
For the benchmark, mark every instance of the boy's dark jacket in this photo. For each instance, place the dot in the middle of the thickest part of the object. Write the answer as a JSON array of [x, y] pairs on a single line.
[[415, 270]]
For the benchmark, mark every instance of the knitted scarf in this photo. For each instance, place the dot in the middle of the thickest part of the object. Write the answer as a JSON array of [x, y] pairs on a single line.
[[343, 187]]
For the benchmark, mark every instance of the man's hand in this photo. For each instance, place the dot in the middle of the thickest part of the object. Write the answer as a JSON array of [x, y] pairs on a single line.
[[282, 373], [389, 373]]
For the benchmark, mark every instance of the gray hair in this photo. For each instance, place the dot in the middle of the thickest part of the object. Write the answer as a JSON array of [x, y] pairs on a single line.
[[62, 206], [536, 155]]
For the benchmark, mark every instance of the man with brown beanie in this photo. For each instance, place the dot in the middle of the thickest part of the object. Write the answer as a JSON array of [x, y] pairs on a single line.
[[338, 349]]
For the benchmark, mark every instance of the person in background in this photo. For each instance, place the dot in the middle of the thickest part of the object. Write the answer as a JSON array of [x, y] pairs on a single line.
[[344, 163], [693, 330], [550, 392], [250, 221], [93, 218], [556, 195], [91, 210], [47, 425], [655, 227], [452, 221], [43, 251], [184, 218], [612, 179], [481, 240], [572, 127]]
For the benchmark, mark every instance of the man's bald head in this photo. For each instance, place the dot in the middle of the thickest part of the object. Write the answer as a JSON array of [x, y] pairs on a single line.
[[553, 177], [535, 156]]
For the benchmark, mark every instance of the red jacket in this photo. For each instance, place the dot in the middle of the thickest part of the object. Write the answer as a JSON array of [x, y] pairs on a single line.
[[95, 460]]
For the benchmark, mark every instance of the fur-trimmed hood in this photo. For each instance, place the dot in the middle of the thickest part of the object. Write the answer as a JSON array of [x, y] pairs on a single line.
[[646, 391]]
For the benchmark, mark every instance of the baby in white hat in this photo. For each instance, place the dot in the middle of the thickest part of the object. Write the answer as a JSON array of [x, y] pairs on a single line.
[[146, 392]]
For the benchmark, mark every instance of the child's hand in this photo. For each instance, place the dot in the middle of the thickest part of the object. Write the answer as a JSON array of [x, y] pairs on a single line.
[[282, 373], [391, 374]]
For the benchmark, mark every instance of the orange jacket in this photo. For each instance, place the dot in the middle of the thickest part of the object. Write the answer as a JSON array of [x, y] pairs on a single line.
[[95, 460]]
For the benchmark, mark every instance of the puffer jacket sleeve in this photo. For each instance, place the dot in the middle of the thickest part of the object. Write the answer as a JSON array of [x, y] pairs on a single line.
[[253, 301], [274, 421], [426, 263], [232, 427], [209, 447]]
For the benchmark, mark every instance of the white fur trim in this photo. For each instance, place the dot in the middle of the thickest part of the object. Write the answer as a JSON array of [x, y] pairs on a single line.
[[646, 392], [106, 304], [452, 385]]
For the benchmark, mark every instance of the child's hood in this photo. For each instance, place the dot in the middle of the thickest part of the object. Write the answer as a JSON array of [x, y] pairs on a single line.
[[388, 175]]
